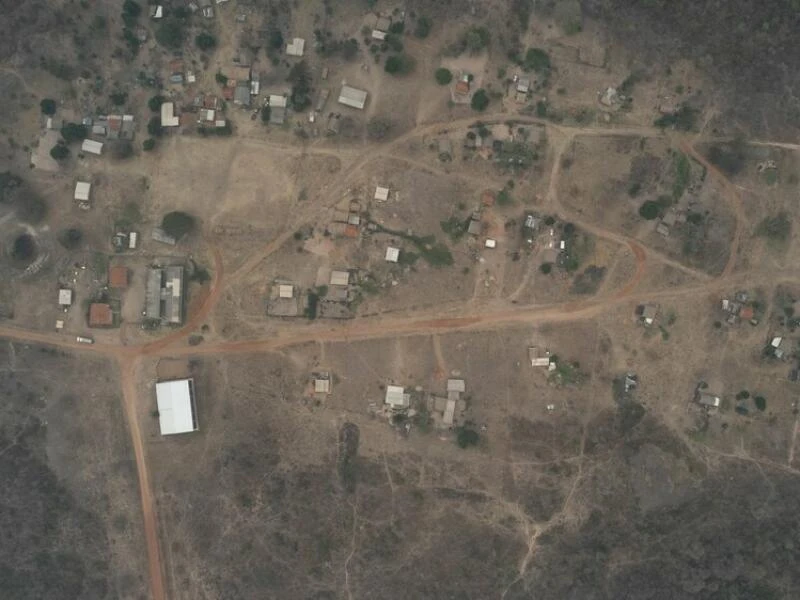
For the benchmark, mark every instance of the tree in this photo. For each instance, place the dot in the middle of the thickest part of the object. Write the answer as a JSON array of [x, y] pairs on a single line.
[[48, 106], [131, 10], [761, 403], [423, 28], [397, 27], [300, 78], [443, 76], [177, 224], [537, 60], [154, 104], [350, 49], [266, 113], [476, 39], [118, 98], [399, 64], [170, 33], [480, 100], [276, 39], [72, 132], [649, 210], [70, 238], [59, 151], [149, 144], [154, 127], [466, 437], [205, 41], [378, 128], [546, 268], [121, 149]]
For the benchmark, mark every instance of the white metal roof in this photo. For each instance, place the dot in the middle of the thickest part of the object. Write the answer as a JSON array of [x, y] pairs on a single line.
[[295, 47], [392, 254], [449, 412], [322, 386], [456, 385], [350, 96], [92, 147], [340, 278], [176, 406], [82, 189], [378, 35], [490, 243], [381, 193], [276, 100], [396, 396], [64, 297], [168, 118], [285, 291]]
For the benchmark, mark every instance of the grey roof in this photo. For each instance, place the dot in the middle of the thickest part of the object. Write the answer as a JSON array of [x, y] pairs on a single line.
[[153, 294], [164, 294], [350, 96], [456, 385], [242, 95], [277, 115]]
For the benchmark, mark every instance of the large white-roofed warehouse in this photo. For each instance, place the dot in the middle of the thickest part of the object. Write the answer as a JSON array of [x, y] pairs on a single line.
[[177, 410]]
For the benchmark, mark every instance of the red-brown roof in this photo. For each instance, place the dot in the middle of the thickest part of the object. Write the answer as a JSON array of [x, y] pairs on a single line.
[[114, 123], [462, 87], [227, 93], [118, 277], [100, 315], [747, 313], [351, 231]]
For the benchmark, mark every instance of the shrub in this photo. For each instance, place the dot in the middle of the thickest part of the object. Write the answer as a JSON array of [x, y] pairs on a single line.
[[683, 119], [131, 10], [48, 106], [423, 27], [399, 64], [266, 113], [760, 402], [149, 144], [480, 100], [537, 60], [30, 209], [221, 79], [121, 149], [154, 127], [777, 228], [170, 33], [300, 78], [378, 127], [397, 27], [177, 224], [649, 210], [476, 39], [275, 39], [59, 151], [205, 41], [154, 104], [546, 268], [118, 98], [72, 132], [730, 158], [443, 76], [466, 437], [71, 238]]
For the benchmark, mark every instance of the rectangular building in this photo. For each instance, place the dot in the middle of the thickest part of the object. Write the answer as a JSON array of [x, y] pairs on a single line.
[[82, 190], [164, 295], [92, 147], [168, 117], [177, 410], [350, 96]]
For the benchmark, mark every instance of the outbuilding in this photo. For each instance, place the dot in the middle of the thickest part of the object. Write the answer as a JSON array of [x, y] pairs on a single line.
[[82, 190], [168, 117], [340, 278], [65, 297], [392, 254], [396, 397], [177, 410], [100, 315], [92, 147], [296, 47], [381, 194]]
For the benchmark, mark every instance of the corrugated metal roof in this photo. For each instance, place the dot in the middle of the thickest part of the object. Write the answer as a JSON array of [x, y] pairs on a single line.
[[92, 147], [396, 396], [340, 278], [176, 407], [350, 96]]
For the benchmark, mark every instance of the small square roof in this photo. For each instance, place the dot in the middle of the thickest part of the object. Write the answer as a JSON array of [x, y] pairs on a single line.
[[296, 47], [340, 278], [396, 396], [392, 254], [322, 386], [285, 291], [64, 297], [381, 193], [456, 385], [82, 190]]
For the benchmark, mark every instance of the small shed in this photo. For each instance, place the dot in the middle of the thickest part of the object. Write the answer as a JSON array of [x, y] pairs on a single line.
[[340, 278], [538, 357], [709, 400], [392, 254], [322, 383], [82, 190], [92, 147], [449, 412], [296, 47], [456, 385], [396, 397], [285, 291], [381, 194], [490, 243], [65, 297]]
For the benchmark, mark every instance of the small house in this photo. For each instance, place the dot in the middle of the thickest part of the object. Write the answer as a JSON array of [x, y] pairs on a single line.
[[296, 47], [285, 291], [322, 383], [392, 254], [168, 116], [538, 357], [340, 278], [82, 190], [456, 385], [64, 298], [649, 314], [92, 147], [709, 400], [381, 194], [396, 397]]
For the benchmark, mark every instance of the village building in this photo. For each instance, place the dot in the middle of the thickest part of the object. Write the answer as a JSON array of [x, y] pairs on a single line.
[[350, 96], [100, 315], [82, 190], [164, 294], [322, 383], [177, 408], [381, 194], [538, 357], [648, 314], [168, 116], [296, 47], [92, 147], [392, 254], [396, 397], [340, 278], [709, 400], [118, 277], [64, 298]]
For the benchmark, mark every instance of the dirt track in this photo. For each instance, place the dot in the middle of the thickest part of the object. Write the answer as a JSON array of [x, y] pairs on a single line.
[[173, 344]]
